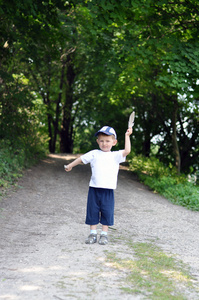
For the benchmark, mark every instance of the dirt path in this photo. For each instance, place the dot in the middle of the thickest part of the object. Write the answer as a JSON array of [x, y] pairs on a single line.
[[42, 251]]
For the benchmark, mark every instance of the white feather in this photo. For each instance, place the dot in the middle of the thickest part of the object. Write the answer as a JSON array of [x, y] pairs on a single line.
[[131, 119]]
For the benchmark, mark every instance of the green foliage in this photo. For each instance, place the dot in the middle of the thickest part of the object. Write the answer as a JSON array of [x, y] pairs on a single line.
[[150, 166], [15, 157], [10, 164], [91, 62], [164, 181], [184, 194]]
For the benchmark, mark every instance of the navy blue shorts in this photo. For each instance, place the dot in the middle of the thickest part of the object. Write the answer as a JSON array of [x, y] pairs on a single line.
[[100, 206]]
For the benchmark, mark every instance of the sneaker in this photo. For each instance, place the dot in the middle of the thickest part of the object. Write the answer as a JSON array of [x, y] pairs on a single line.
[[91, 239], [103, 239]]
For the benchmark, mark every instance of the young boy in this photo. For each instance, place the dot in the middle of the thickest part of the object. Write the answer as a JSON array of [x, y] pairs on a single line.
[[104, 166]]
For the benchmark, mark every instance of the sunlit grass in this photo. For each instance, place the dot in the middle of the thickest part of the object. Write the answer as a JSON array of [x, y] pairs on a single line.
[[153, 273]]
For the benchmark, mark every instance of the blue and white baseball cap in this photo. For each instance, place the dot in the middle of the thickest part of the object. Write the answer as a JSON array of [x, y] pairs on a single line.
[[107, 130]]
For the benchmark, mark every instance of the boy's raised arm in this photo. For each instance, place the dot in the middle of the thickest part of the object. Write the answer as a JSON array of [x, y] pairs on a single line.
[[76, 162], [127, 146]]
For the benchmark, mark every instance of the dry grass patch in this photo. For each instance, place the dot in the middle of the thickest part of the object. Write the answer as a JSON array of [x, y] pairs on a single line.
[[154, 274]]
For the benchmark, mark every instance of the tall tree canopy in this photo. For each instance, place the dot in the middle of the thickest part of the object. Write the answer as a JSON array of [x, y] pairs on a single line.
[[70, 67]]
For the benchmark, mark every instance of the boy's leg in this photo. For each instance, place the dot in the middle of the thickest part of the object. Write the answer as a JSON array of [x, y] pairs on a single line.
[[104, 228], [107, 209], [92, 216], [93, 227], [107, 215], [92, 213]]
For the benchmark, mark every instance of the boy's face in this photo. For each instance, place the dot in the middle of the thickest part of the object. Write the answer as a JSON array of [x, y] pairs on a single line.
[[106, 142]]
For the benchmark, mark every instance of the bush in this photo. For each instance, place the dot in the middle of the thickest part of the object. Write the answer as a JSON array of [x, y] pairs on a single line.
[[13, 159], [150, 166], [165, 181]]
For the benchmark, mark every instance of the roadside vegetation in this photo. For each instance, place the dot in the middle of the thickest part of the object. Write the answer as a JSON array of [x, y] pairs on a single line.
[[179, 189], [13, 160]]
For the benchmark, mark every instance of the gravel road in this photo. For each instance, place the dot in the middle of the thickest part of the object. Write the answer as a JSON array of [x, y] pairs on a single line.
[[42, 251]]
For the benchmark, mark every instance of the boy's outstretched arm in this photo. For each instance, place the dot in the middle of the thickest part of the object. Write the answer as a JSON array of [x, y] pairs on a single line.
[[76, 162], [127, 146]]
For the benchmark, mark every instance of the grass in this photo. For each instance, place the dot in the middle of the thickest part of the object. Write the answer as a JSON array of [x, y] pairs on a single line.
[[163, 180], [153, 274], [180, 193]]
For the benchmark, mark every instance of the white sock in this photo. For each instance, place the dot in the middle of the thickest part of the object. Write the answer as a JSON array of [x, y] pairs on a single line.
[[93, 231], [104, 232]]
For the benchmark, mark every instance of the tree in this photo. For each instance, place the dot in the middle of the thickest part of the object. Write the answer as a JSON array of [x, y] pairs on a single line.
[[23, 25], [94, 61], [164, 32]]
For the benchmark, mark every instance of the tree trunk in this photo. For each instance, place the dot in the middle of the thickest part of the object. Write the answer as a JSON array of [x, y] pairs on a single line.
[[146, 146], [174, 136], [50, 144], [66, 140], [57, 113], [66, 134]]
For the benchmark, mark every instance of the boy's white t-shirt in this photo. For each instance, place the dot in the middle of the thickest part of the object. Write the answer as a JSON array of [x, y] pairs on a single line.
[[104, 167]]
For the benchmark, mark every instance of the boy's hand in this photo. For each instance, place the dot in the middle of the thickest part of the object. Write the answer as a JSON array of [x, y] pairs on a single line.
[[129, 131], [67, 168]]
